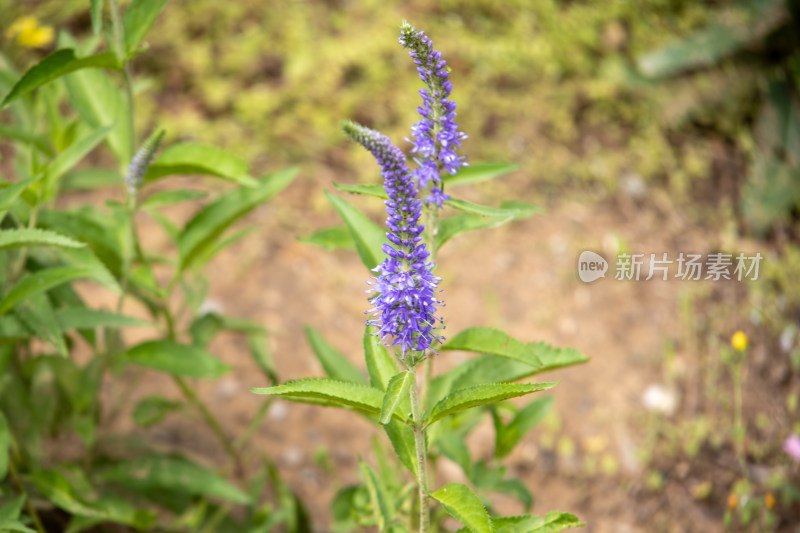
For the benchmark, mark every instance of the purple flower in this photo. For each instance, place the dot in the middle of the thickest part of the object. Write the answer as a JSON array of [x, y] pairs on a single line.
[[792, 447], [435, 137], [141, 162], [404, 290]]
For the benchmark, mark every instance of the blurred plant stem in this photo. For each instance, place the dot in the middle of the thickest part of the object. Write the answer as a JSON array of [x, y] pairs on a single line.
[[12, 469], [738, 421], [422, 455]]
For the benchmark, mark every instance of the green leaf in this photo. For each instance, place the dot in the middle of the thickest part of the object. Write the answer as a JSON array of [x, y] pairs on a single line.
[[402, 438], [492, 479], [381, 366], [160, 199], [56, 488], [11, 510], [368, 190], [553, 522], [100, 103], [41, 281], [152, 409], [204, 228], [476, 395], [177, 359], [91, 178], [539, 355], [96, 10], [368, 236], [331, 392], [36, 313], [18, 134], [172, 474], [192, 158], [378, 495], [15, 238], [336, 365], [70, 157], [55, 65], [479, 172], [465, 506], [138, 18], [85, 318], [9, 194], [515, 210], [524, 420], [453, 446], [396, 392], [333, 238], [5, 446], [464, 222]]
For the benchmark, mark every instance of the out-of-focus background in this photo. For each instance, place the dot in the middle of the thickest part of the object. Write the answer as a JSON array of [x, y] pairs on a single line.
[[648, 126]]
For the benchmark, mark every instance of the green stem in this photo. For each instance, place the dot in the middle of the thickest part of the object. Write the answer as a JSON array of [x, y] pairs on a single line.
[[28, 505], [212, 422], [738, 423], [422, 456]]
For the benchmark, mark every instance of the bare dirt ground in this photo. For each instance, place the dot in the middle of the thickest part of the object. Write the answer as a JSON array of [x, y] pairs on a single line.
[[521, 278]]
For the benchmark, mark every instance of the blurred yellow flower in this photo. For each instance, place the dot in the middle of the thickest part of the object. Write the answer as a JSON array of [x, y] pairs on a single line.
[[29, 32], [733, 501], [769, 500], [739, 341]]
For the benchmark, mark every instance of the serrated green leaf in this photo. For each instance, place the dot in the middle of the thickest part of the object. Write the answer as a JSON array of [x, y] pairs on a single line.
[[333, 238], [539, 355], [396, 392], [476, 395], [381, 366], [524, 420], [5, 446], [15, 238], [192, 158], [330, 392], [57, 64], [85, 318], [152, 409], [172, 474], [402, 438], [514, 210], [40, 282], [163, 198], [479, 172], [177, 359], [369, 190], [335, 364], [139, 17], [464, 222], [553, 522], [96, 10], [203, 229], [465, 506], [368, 236], [381, 504]]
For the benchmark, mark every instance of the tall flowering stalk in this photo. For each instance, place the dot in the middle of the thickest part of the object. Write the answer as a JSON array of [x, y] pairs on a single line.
[[435, 136], [404, 290]]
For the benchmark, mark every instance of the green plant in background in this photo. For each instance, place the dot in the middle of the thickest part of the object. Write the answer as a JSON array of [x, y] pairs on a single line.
[[427, 416], [744, 68], [69, 122]]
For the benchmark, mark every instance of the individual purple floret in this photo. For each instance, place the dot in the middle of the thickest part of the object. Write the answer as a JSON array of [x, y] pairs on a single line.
[[435, 137], [404, 300]]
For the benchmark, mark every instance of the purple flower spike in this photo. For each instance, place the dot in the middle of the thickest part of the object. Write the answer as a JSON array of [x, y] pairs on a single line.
[[404, 291], [792, 447], [436, 136]]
